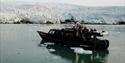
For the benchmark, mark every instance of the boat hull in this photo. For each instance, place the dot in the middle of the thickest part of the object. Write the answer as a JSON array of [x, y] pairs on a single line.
[[74, 41]]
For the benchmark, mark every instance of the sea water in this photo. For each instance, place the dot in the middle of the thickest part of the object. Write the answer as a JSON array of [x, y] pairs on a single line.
[[19, 43]]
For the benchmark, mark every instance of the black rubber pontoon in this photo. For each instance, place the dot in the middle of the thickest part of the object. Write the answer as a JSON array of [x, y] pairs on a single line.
[[68, 37]]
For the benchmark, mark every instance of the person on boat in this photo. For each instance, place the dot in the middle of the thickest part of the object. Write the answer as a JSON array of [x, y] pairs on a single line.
[[78, 28], [85, 29]]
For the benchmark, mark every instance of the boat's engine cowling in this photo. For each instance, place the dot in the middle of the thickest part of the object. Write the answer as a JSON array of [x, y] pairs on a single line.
[[104, 33]]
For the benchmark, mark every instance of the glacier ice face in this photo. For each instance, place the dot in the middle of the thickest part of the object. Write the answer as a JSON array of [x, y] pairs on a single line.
[[59, 12]]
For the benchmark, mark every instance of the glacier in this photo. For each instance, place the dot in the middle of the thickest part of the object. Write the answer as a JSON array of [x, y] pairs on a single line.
[[56, 12]]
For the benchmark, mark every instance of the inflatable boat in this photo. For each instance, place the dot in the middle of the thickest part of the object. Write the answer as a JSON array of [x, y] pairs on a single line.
[[72, 38]]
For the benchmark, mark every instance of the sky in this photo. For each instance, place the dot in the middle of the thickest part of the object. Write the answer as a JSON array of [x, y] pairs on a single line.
[[76, 2]]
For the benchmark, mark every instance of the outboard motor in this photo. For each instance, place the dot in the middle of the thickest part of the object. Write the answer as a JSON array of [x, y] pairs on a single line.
[[104, 33]]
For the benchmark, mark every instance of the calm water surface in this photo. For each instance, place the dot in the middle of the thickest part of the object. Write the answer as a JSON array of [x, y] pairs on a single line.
[[19, 44]]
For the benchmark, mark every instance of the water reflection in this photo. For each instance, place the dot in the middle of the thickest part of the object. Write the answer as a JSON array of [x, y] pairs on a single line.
[[69, 54]]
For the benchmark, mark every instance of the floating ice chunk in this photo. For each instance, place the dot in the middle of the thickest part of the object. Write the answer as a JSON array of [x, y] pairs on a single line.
[[82, 51], [52, 50], [42, 45]]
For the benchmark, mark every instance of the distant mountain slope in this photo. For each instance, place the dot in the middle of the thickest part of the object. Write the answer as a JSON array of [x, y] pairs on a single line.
[[59, 12]]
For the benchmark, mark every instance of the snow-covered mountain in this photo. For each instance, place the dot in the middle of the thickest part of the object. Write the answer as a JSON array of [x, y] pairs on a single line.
[[56, 12]]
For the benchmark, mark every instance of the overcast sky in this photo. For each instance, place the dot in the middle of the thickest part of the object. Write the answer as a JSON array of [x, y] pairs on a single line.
[[77, 2]]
